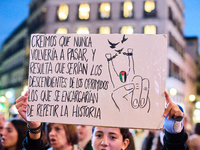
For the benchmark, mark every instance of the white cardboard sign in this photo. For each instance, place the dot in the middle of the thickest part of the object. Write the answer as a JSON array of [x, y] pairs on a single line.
[[102, 80]]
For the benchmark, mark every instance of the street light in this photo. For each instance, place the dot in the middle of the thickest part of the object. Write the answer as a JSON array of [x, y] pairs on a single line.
[[8, 94], [192, 98], [196, 112], [2, 107], [197, 105], [173, 91], [2, 99]]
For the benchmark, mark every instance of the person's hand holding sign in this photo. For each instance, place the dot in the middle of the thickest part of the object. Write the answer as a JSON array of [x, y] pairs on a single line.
[[21, 104], [173, 116]]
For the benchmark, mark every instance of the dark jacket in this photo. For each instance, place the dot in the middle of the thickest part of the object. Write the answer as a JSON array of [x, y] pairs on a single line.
[[88, 146], [175, 141], [29, 144]]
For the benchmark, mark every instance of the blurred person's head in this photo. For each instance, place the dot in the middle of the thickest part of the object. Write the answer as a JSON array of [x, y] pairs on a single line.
[[84, 135], [84, 132], [2, 122], [14, 132], [110, 138], [197, 128], [44, 134], [62, 135]]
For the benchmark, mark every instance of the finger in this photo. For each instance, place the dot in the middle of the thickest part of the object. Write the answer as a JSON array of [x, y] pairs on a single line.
[[175, 112], [167, 98], [178, 114], [131, 66], [22, 112], [123, 92], [18, 105], [21, 98], [26, 94], [21, 108], [144, 92], [21, 102], [112, 72], [120, 93], [108, 56], [171, 113], [168, 109], [137, 80]]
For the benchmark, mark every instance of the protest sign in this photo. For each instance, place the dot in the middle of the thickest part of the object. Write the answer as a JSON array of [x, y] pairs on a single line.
[[102, 80]]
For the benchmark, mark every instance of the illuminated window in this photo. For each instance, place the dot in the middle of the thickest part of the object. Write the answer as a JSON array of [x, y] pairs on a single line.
[[104, 10], [104, 30], [127, 9], [82, 30], [61, 31], [127, 30], [150, 29], [63, 12], [84, 11], [149, 9]]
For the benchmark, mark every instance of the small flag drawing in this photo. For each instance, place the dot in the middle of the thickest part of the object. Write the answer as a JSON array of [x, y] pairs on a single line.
[[122, 76]]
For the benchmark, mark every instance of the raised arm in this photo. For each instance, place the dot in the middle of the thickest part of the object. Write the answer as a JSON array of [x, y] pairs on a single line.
[[34, 127], [175, 138]]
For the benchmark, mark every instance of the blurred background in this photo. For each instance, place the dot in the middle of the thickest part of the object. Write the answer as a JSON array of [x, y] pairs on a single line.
[[175, 18]]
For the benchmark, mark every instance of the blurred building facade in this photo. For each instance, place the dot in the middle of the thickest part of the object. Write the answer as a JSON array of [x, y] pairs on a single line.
[[12, 70], [105, 17], [192, 78]]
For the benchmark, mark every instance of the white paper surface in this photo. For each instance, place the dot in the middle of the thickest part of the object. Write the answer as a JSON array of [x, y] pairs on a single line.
[[103, 80]]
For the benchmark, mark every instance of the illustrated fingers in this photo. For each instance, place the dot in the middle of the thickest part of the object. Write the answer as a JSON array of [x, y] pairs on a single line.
[[108, 56], [112, 72], [137, 80], [144, 92], [123, 91], [131, 62]]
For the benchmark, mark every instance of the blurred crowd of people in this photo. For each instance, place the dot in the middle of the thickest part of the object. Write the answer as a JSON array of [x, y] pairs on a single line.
[[17, 134], [14, 131]]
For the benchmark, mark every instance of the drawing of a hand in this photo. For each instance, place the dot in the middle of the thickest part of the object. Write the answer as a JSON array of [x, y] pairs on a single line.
[[131, 88], [136, 93]]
